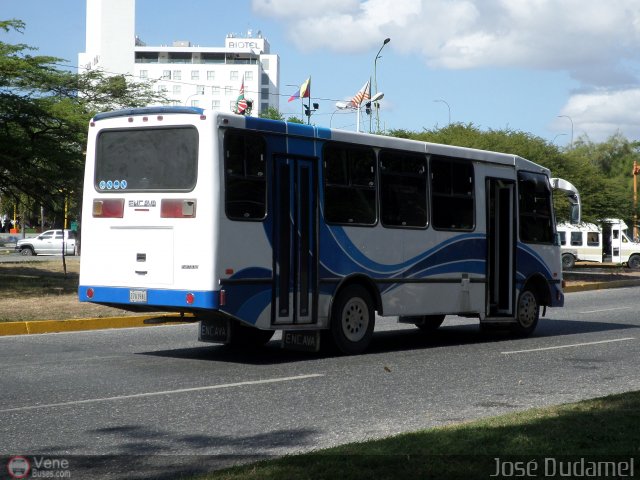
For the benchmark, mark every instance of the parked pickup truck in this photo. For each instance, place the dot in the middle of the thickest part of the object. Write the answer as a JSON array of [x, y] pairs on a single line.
[[48, 243]]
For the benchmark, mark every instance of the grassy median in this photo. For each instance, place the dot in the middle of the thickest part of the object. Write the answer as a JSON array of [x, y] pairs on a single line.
[[599, 436]]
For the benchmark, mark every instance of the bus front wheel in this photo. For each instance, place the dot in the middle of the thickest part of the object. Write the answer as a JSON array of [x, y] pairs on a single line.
[[527, 314], [352, 320], [634, 262]]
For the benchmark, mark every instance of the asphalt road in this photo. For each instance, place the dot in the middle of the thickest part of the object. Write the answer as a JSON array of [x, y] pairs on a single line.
[[158, 394]]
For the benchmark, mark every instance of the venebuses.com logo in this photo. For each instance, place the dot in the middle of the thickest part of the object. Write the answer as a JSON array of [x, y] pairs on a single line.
[[18, 467]]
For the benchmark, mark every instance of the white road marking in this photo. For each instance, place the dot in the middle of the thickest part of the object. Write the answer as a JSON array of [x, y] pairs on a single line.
[[605, 310], [573, 345], [165, 392]]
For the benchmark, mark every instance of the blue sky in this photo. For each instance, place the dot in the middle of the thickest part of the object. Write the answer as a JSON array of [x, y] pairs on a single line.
[[530, 65]]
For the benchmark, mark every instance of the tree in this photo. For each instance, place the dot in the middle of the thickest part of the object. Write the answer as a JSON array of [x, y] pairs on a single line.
[[44, 116], [273, 113]]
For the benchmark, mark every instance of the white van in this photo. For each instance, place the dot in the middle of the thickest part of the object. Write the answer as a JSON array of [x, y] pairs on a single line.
[[607, 242]]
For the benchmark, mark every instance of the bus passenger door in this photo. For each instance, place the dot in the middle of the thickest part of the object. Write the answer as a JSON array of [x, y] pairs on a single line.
[[295, 244], [501, 247]]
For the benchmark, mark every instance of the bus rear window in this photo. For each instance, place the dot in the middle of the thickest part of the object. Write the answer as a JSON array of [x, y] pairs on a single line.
[[147, 159]]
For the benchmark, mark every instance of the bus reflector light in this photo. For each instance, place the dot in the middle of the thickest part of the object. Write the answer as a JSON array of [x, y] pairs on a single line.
[[90, 293], [190, 298], [228, 271], [177, 208], [108, 208]]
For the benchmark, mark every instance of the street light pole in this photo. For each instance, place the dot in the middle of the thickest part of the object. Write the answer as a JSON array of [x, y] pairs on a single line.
[[570, 119], [448, 108], [375, 82]]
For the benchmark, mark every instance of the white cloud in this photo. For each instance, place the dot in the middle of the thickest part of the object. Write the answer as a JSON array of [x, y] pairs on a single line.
[[602, 113], [580, 36]]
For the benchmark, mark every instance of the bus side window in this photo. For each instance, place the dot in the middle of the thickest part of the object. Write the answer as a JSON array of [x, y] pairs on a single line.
[[563, 238], [245, 180], [349, 184], [535, 209], [593, 239], [403, 189], [576, 239], [452, 194]]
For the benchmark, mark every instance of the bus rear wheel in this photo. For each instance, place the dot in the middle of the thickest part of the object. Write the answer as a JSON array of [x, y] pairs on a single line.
[[429, 323], [527, 315], [243, 336], [352, 320], [568, 261]]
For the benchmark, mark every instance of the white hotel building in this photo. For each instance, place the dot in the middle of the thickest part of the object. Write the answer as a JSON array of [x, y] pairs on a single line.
[[206, 77]]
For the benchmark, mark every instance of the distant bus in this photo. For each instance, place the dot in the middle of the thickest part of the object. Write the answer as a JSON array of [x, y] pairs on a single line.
[[606, 242], [254, 225]]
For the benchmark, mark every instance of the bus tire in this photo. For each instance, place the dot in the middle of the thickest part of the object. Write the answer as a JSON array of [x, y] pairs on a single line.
[[429, 323], [634, 262], [568, 261], [352, 320], [527, 314], [243, 336]]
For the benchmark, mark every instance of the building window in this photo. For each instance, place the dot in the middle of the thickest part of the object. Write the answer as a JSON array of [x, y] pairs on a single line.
[[215, 90], [211, 75], [349, 184], [177, 74], [452, 198], [163, 88], [403, 189], [248, 75], [215, 105], [166, 75], [234, 75], [265, 79], [265, 63], [144, 74], [228, 90], [200, 89], [177, 89], [195, 103], [195, 74], [265, 93]]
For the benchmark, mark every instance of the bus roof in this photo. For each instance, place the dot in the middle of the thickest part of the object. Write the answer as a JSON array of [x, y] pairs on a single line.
[[158, 110]]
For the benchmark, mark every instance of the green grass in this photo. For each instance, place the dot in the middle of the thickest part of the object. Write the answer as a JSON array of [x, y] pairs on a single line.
[[604, 429]]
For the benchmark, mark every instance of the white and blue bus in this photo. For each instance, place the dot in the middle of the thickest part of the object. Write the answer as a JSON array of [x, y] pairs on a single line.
[[254, 225]]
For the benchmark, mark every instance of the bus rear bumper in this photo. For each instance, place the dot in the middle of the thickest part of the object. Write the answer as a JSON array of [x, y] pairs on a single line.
[[150, 297]]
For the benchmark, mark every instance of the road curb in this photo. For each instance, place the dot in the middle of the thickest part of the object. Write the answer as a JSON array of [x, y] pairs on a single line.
[[81, 324], [585, 287]]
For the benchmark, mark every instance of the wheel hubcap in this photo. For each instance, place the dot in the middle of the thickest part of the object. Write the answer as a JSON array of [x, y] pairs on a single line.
[[527, 309], [355, 319]]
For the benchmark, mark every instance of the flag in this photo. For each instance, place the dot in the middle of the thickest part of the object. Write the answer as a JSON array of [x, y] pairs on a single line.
[[363, 94], [303, 92], [241, 102]]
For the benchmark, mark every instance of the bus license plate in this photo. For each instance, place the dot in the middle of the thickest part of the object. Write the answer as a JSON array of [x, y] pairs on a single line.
[[138, 296]]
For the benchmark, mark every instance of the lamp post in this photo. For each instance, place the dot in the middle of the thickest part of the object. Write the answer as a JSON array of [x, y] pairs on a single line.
[[554, 138], [567, 116], [448, 108], [375, 82]]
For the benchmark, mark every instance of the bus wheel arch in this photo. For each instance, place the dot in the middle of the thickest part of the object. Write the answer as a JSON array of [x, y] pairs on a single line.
[[352, 317]]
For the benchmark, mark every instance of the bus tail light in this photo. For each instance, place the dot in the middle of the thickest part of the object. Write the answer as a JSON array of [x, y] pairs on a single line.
[[108, 208], [177, 208]]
